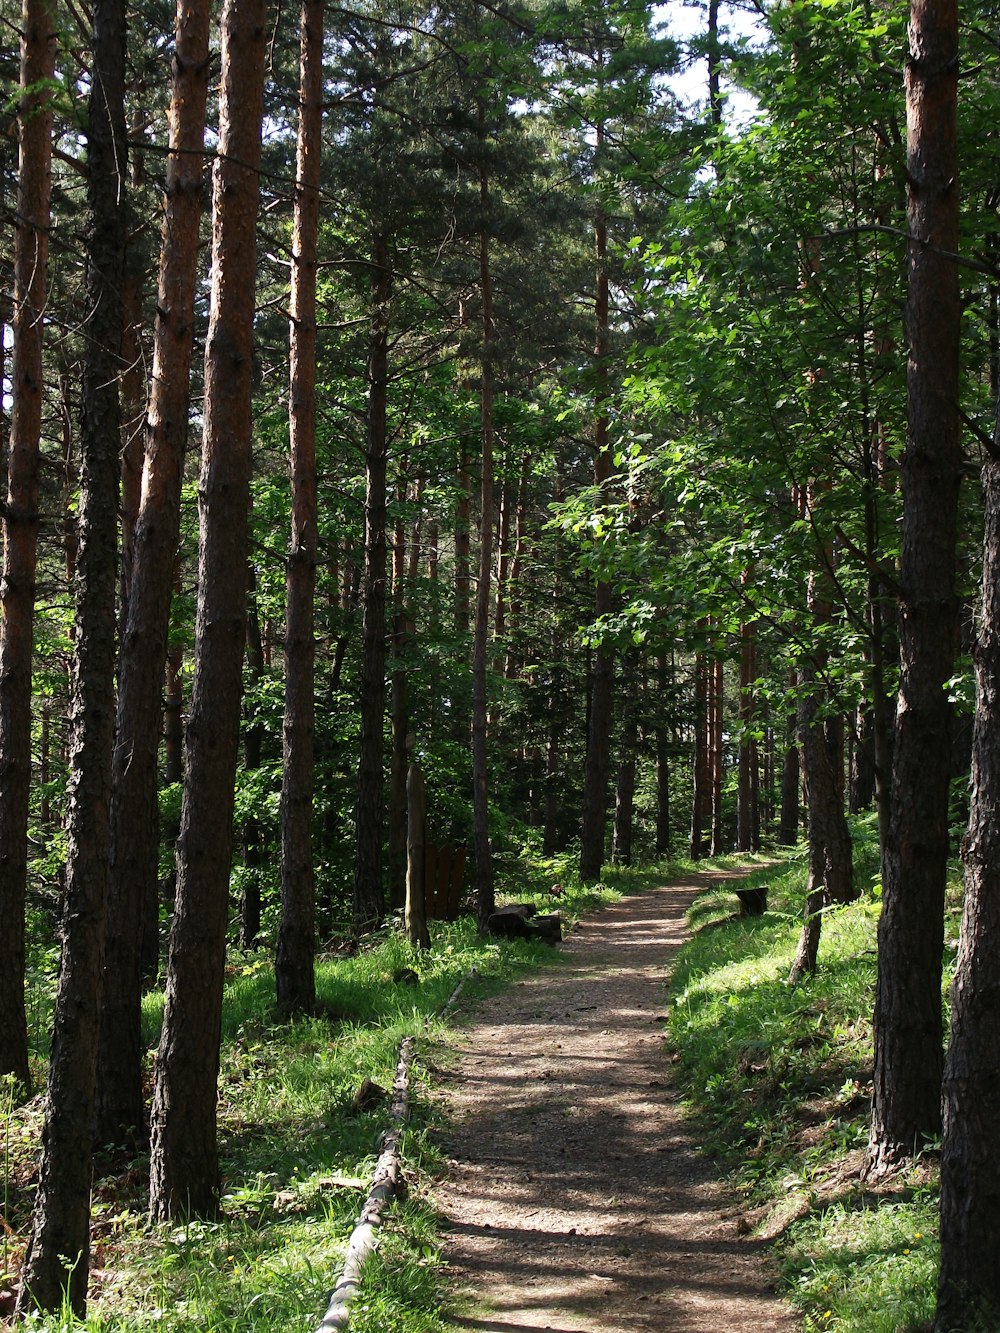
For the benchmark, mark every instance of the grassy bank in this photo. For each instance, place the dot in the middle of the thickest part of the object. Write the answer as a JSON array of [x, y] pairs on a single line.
[[778, 1079], [780, 1083], [296, 1154]]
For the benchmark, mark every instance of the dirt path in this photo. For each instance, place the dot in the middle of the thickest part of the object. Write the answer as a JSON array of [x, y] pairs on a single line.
[[575, 1199]]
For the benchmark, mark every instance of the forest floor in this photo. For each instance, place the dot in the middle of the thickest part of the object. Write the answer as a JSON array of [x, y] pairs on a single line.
[[574, 1195]]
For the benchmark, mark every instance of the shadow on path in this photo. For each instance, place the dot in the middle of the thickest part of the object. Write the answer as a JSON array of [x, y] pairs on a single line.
[[576, 1198]]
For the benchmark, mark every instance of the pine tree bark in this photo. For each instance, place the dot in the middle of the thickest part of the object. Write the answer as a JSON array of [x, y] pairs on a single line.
[[831, 875], [369, 895], [595, 782], [969, 1283], [715, 685], [701, 766], [516, 567], [622, 836], [134, 822], [906, 1105], [551, 829], [831, 871], [184, 1168], [20, 526], [485, 900], [253, 752], [748, 780], [402, 639], [788, 819], [294, 971], [57, 1260], [663, 838]]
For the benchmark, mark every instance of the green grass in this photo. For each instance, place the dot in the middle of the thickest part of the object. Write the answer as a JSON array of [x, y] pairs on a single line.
[[779, 1081], [295, 1160]]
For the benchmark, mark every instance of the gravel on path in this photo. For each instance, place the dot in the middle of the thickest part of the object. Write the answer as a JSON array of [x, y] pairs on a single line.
[[575, 1198]]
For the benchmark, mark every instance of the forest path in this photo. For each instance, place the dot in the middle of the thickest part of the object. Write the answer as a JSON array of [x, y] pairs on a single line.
[[574, 1198]]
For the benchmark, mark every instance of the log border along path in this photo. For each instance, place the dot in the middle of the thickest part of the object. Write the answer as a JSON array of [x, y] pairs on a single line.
[[574, 1196]]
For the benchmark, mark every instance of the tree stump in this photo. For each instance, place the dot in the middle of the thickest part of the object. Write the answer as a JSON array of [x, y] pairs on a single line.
[[753, 902]]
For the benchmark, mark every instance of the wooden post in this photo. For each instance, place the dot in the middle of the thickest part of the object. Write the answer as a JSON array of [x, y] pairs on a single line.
[[416, 813]]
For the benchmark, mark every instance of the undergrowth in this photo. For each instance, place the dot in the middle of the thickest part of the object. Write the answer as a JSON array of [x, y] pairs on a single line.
[[296, 1157], [779, 1080]]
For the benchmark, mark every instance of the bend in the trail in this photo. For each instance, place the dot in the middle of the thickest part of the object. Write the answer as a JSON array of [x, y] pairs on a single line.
[[575, 1197]]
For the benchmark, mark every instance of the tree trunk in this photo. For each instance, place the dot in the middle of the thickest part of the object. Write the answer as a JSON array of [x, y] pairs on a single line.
[[701, 766], [969, 1286], [294, 971], [831, 875], [517, 566], [595, 784], [133, 887], [788, 820], [57, 1261], [133, 392], [416, 860], [748, 814], [831, 872], [715, 685], [402, 637], [863, 760], [173, 718], [184, 1175], [907, 1023], [253, 750], [551, 829], [369, 897], [663, 840], [621, 846], [503, 567], [20, 526], [485, 901]]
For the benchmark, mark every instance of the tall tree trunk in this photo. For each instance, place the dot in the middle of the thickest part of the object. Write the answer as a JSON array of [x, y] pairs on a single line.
[[516, 566], [294, 972], [862, 789], [173, 714], [663, 839], [907, 1024], [595, 782], [503, 566], [621, 845], [253, 752], [184, 1167], [20, 526], [831, 872], [551, 830], [788, 819], [463, 540], [369, 900], [416, 529], [701, 766], [748, 817], [831, 877], [969, 1284], [134, 825], [485, 901], [715, 684], [402, 638], [133, 388], [57, 1261]]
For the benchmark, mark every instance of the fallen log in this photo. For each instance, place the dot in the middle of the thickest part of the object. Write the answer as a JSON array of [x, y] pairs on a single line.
[[753, 902], [518, 921], [386, 1184], [452, 999]]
